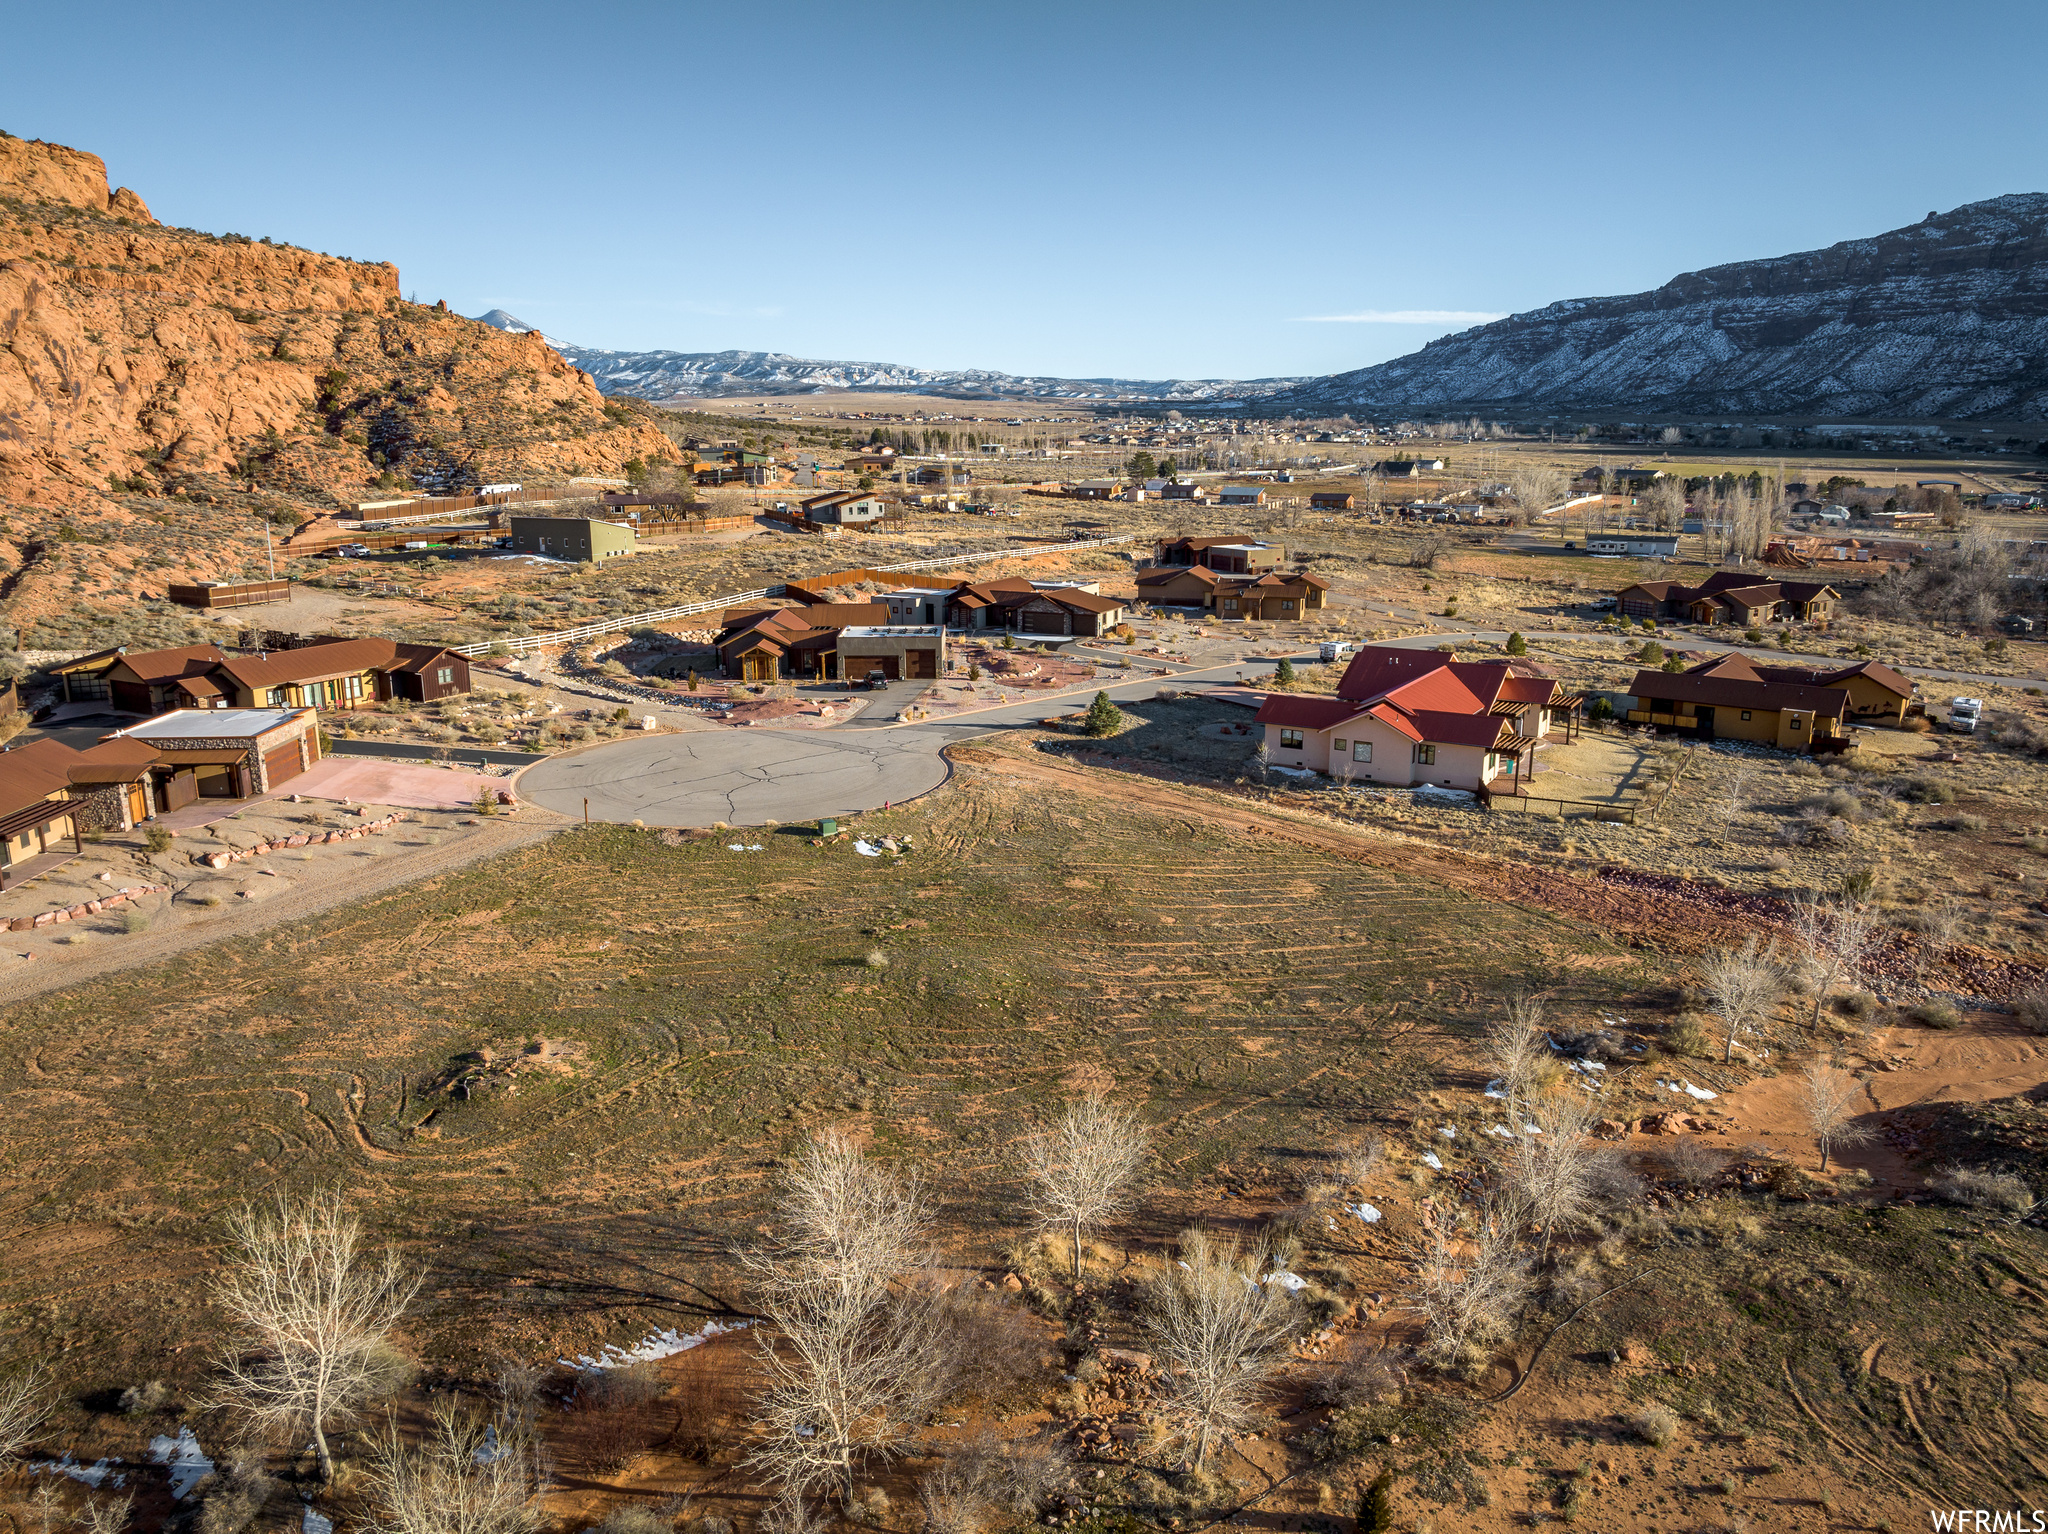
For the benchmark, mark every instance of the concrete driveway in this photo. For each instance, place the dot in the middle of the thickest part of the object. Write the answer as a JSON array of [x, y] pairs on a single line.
[[747, 777]]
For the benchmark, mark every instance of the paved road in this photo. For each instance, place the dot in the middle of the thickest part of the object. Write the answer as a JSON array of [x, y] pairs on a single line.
[[751, 776]]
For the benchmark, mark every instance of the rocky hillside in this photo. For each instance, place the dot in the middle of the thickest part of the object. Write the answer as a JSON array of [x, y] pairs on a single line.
[[1947, 319], [666, 376], [164, 392]]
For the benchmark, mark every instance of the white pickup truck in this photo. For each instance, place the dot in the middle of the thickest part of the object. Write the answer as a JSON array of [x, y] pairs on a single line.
[[1963, 714]]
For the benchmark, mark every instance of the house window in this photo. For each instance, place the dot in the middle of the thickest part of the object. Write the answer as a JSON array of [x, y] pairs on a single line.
[[1796, 721], [1290, 740], [1745, 713], [1425, 755], [1338, 747], [355, 687], [444, 676], [1361, 751], [1287, 607], [275, 697], [1230, 604]]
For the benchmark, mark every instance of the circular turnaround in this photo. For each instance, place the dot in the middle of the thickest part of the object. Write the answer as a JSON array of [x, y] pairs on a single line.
[[740, 777]]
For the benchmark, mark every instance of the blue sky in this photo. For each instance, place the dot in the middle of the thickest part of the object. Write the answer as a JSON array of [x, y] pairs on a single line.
[[1139, 189]]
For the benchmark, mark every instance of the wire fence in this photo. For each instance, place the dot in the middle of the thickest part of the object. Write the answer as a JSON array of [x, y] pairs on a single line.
[[521, 643]]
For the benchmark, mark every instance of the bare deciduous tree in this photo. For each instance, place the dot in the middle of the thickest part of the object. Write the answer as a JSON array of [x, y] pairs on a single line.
[[1835, 941], [314, 1315], [1733, 801], [1742, 986], [1515, 1043], [984, 1481], [1221, 1333], [1469, 1289], [1828, 1097], [469, 1475], [852, 1350], [1084, 1166], [1941, 927], [26, 1397], [1551, 1173]]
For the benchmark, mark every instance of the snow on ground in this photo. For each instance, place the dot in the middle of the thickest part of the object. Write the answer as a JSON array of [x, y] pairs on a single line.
[[662, 1344], [183, 1457], [93, 1475]]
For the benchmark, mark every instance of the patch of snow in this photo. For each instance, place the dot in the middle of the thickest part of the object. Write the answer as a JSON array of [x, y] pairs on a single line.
[[315, 1522], [867, 850], [1494, 1089], [1495, 1129], [91, 1475], [734, 847], [755, 847], [1365, 1212], [1530, 1129], [1293, 1283], [662, 1344], [183, 1457], [1449, 1131], [490, 1450], [1429, 1159]]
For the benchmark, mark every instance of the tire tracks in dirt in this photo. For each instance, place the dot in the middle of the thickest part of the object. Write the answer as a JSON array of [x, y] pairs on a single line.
[[1642, 917]]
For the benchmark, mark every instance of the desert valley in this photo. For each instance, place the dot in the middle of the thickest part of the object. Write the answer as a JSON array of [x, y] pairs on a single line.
[[641, 940]]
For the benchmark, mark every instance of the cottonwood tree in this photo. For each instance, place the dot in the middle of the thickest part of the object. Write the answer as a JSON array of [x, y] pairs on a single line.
[[1221, 1333], [26, 1398], [1835, 940], [1469, 1288], [1742, 986], [1551, 1175], [468, 1475], [852, 1350], [313, 1313], [1083, 1168], [1828, 1098]]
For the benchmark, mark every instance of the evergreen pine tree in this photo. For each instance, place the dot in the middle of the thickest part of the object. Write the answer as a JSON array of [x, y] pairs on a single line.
[[1104, 717], [1283, 674], [1517, 645]]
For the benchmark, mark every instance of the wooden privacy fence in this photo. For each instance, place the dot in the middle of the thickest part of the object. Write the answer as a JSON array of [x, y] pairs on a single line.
[[520, 644], [231, 593], [1533, 804]]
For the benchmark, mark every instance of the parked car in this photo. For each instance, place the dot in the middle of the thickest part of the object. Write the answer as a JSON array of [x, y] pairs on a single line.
[[348, 551], [875, 678]]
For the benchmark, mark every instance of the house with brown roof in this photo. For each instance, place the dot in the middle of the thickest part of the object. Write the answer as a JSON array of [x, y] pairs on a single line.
[[1407, 717], [1273, 596], [1332, 500], [1730, 698], [39, 826], [146, 681], [1230, 554], [1178, 586], [1875, 690], [1730, 596], [774, 643]]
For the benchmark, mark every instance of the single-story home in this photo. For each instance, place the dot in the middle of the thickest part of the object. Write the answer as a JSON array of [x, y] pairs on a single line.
[[1875, 690], [1407, 717], [1647, 545], [843, 508], [1730, 596], [329, 673], [1096, 489], [1272, 596], [1728, 698], [772, 643], [1232, 554], [1241, 495], [1332, 500]]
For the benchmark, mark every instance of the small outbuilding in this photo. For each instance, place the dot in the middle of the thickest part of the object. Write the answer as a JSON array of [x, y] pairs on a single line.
[[580, 540]]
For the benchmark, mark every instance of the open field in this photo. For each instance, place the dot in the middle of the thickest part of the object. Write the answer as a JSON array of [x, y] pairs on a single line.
[[563, 1080]]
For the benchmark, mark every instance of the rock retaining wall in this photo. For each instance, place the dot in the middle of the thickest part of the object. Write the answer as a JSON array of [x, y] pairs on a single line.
[[299, 839], [113, 902]]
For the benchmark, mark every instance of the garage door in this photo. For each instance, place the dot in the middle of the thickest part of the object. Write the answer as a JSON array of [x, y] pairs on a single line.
[[1045, 623], [283, 763], [921, 664]]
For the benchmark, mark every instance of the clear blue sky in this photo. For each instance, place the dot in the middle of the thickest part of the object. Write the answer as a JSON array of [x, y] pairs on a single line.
[[1141, 189]]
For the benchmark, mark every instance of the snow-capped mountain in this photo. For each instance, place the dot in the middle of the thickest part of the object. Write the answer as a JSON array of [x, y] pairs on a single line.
[[1945, 319], [665, 376]]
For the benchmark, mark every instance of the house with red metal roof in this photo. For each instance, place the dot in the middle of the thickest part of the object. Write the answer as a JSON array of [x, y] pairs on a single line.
[[1412, 717]]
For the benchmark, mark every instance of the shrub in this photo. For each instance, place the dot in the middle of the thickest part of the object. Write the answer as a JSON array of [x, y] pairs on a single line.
[[1651, 654], [2033, 1010], [1980, 1189], [1856, 1004], [156, 838], [1104, 717], [1963, 823], [1516, 644], [1690, 1036], [1654, 1424], [1936, 1014], [1927, 791], [133, 921], [636, 1518], [145, 1400]]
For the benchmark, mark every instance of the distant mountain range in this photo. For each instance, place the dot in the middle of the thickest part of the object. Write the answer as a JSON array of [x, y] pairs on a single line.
[[1945, 319], [667, 376]]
